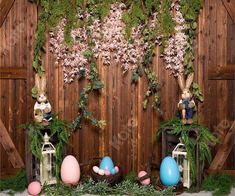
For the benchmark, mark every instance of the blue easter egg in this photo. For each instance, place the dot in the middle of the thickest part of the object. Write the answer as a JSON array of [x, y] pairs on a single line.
[[107, 164], [169, 172], [113, 171]]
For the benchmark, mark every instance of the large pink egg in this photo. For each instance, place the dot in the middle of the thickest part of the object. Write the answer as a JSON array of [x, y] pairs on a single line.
[[34, 188], [146, 181], [70, 170]]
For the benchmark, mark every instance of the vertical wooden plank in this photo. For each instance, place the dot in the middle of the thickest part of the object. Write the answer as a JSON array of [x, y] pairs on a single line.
[[212, 60], [221, 47], [31, 21], [201, 58], [102, 105], [231, 84]]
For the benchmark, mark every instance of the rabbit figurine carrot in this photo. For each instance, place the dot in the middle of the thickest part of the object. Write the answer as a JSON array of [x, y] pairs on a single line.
[[186, 104], [42, 108]]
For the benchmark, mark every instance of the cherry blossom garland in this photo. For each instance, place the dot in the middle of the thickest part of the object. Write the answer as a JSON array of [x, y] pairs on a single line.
[[72, 59], [114, 42], [174, 53], [108, 38]]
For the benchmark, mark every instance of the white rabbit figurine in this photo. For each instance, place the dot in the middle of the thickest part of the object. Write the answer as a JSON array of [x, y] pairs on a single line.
[[186, 104], [42, 108]]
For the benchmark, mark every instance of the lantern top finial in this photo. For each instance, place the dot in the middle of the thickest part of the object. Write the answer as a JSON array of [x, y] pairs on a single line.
[[46, 138]]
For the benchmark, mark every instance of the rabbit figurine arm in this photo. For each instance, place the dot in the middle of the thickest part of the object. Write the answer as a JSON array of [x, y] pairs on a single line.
[[191, 104]]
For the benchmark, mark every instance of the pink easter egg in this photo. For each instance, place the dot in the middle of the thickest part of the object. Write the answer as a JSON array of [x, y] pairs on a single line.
[[70, 170], [107, 172], [34, 188], [116, 169], [146, 181]]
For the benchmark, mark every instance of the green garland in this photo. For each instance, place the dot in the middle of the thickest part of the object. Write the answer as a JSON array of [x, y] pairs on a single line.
[[219, 184], [166, 24], [16, 183], [205, 139], [190, 10], [58, 128], [94, 85], [153, 90], [126, 187]]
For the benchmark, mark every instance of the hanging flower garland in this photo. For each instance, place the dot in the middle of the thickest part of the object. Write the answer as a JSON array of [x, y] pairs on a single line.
[[175, 51], [124, 32], [108, 40], [72, 58]]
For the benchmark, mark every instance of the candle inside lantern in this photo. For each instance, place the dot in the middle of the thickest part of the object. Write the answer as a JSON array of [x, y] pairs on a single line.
[[185, 171], [45, 165]]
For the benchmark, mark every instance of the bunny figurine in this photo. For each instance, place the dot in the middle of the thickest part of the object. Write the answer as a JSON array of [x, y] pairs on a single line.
[[42, 108], [186, 104]]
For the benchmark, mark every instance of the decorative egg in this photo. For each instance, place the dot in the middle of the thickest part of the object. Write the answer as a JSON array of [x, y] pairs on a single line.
[[101, 172], [34, 188], [95, 169], [116, 169], [106, 164], [107, 172], [146, 181], [169, 172], [70, 170], [113, 171]]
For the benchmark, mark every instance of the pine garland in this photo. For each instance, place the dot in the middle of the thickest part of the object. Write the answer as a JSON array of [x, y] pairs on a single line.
[[126, 187], [16, 183], [219, 184]]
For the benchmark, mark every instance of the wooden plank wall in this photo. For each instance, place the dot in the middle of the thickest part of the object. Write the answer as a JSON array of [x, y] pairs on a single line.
[[128, 136], [16, 36], [215, 48]]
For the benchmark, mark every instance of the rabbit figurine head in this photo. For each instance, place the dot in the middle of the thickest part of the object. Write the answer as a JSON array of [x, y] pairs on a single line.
[[186, 104], [42, 108]]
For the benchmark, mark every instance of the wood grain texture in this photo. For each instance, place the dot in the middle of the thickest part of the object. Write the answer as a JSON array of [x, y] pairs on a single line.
[[130, 131], [5, 7], [9, 147], [13, 73], [230, 7], [222, 73], [224, 150]]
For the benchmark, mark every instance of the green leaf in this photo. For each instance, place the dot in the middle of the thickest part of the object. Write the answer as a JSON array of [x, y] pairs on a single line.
[[34, 92]]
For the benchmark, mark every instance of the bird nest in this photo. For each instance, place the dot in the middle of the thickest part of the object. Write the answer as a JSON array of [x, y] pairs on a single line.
[[111, 179]]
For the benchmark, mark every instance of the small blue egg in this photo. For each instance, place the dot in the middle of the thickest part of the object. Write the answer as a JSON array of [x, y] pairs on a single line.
[[169, 172], [107, 164], [113, 171]]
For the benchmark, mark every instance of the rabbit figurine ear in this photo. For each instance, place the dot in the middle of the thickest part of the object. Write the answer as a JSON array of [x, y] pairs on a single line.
[[189, 81], [37, 82], [43, 83], [181, 81]]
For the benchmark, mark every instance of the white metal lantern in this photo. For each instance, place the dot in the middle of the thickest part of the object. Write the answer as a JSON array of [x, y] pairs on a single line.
[[180, 155], [47, 166]]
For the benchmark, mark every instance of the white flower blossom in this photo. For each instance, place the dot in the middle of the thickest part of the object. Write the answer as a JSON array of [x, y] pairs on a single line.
[[175, 52]]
